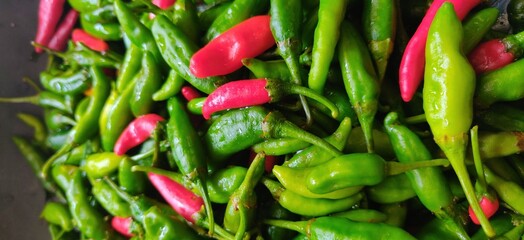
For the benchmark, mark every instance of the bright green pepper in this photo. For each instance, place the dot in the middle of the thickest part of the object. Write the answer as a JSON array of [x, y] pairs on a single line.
[[58, 214], [510, 192], [115, 116], [396, 188], [57, 121], [503, 84], [363, 215], [102, 164], [448, 97], [185, 16], [109, 199], [39, 129], [476, 26], [70, 82], [148, 81], [130, 181], [360, 79], [171, 87], [110, 31], [130, 66]]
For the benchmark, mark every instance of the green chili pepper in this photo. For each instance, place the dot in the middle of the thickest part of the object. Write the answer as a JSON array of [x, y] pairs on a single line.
[[241, 207], [222, 183], [360, 79], [436, 229], [502, 168], [315, 155], [109, 199], [240, 128], [500, 222], [510, 192], [177, 49], [503, 84], [78, 154], [45, 99], [85, 5], [308, 30], [476, 26], [340, 99], [146, 84], [396, 212], [185, 16], [103, 14], [235, 13], [503, 117], [110, 31], [209, 15], [81, 109], [396, 188], [58, 214], [56, 140], [137, 33], [57, 121], [84, 56], [40, 132], [500, 144], [58, 233], [273, 210], [129, 68], [342, 228], [448, 97], [309, 206], [115, 116], [188, 151], [171, 87], [102, 164], [70, 82], [130, 181], [330, 15], [363, 215], [275, 69], [379, 25], [160, 226], [88, 219], [280, 146]]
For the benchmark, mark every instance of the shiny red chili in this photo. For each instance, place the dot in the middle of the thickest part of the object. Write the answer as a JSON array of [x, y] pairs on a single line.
[[122, 225], [49, 13], [91, 42], [181, 199], [164, 4], [224, 54], [63, 32], [489, 207], [190, 93], [136, 132], [490, 55]]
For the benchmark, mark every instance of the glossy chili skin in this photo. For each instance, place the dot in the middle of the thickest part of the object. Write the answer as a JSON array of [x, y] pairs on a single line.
[[500, 85], [115, 116], [170, 88], [476, 26], [448, 102], [360, 80], [177, 49], [234, 13], [58, 214], [88, 219], [102, 164], [108, 31], [132, 182], [160, 226], [330, 16], [295, 202], [109, 199], [69, 82], [148, 81], [392, 189], [188, 151], [379, 21], [130, 66], [206, 17], [507, 191]]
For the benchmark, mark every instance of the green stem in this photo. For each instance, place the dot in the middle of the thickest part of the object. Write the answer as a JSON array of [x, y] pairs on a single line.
[[394, 168], [300, 227], [46, 168], [416, 119], [477, 160], [30, 99], [304, 91]]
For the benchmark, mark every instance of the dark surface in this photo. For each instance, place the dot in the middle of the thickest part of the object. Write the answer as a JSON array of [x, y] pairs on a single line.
[[21, 196]]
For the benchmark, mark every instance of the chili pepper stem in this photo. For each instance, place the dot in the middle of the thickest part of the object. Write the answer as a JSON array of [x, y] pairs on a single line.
[[300, 227], [421, 118], [394, 168], [478, 161], [304, 91], [200, 185], [457, 162], [219, 231], [29, 99], [49, 163], [32, 83], [49, 50]]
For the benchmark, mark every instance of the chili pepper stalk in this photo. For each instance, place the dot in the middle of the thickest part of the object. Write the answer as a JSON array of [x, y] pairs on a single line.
[[448, 97], [243, 93]]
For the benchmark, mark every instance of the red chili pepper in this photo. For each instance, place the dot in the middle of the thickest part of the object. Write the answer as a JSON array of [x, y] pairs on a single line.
[[411, 69], [136, 132], [497, 53], [190, 93], [63, 32], [91, 42], [122, 225], [224, 54], [243, 93], [164, 4], [488, 206], [182, 200], [49, 13]]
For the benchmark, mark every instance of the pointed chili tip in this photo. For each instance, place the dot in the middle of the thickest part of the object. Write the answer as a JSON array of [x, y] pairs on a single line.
[[136, 132], [122, 225], [90, 41]]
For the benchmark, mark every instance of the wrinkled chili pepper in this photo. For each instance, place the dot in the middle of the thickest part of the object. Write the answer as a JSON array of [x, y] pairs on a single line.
[[59, 40], [448, 97], [411, 68], [91, 42], [49, 13], [224, 54], [137, 132], [243, 93]]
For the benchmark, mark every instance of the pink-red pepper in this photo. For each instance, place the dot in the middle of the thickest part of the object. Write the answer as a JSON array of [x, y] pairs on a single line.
[[63, 32], [186, 203], [489, 207], [190, 93], [49, 13], [411, 69], [224, 54], [136, 132], [497, 53], [163, 4], [122, 225], [243, 93], [91, 42]]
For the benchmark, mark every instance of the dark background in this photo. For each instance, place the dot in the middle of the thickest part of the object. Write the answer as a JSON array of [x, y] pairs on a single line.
[[21, 196]]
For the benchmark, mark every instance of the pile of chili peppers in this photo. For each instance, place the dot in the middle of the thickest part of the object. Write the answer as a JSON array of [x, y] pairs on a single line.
[[279, 119]]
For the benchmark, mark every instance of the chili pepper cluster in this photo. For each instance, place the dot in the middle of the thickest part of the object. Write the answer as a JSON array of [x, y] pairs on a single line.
[[279, 119]]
